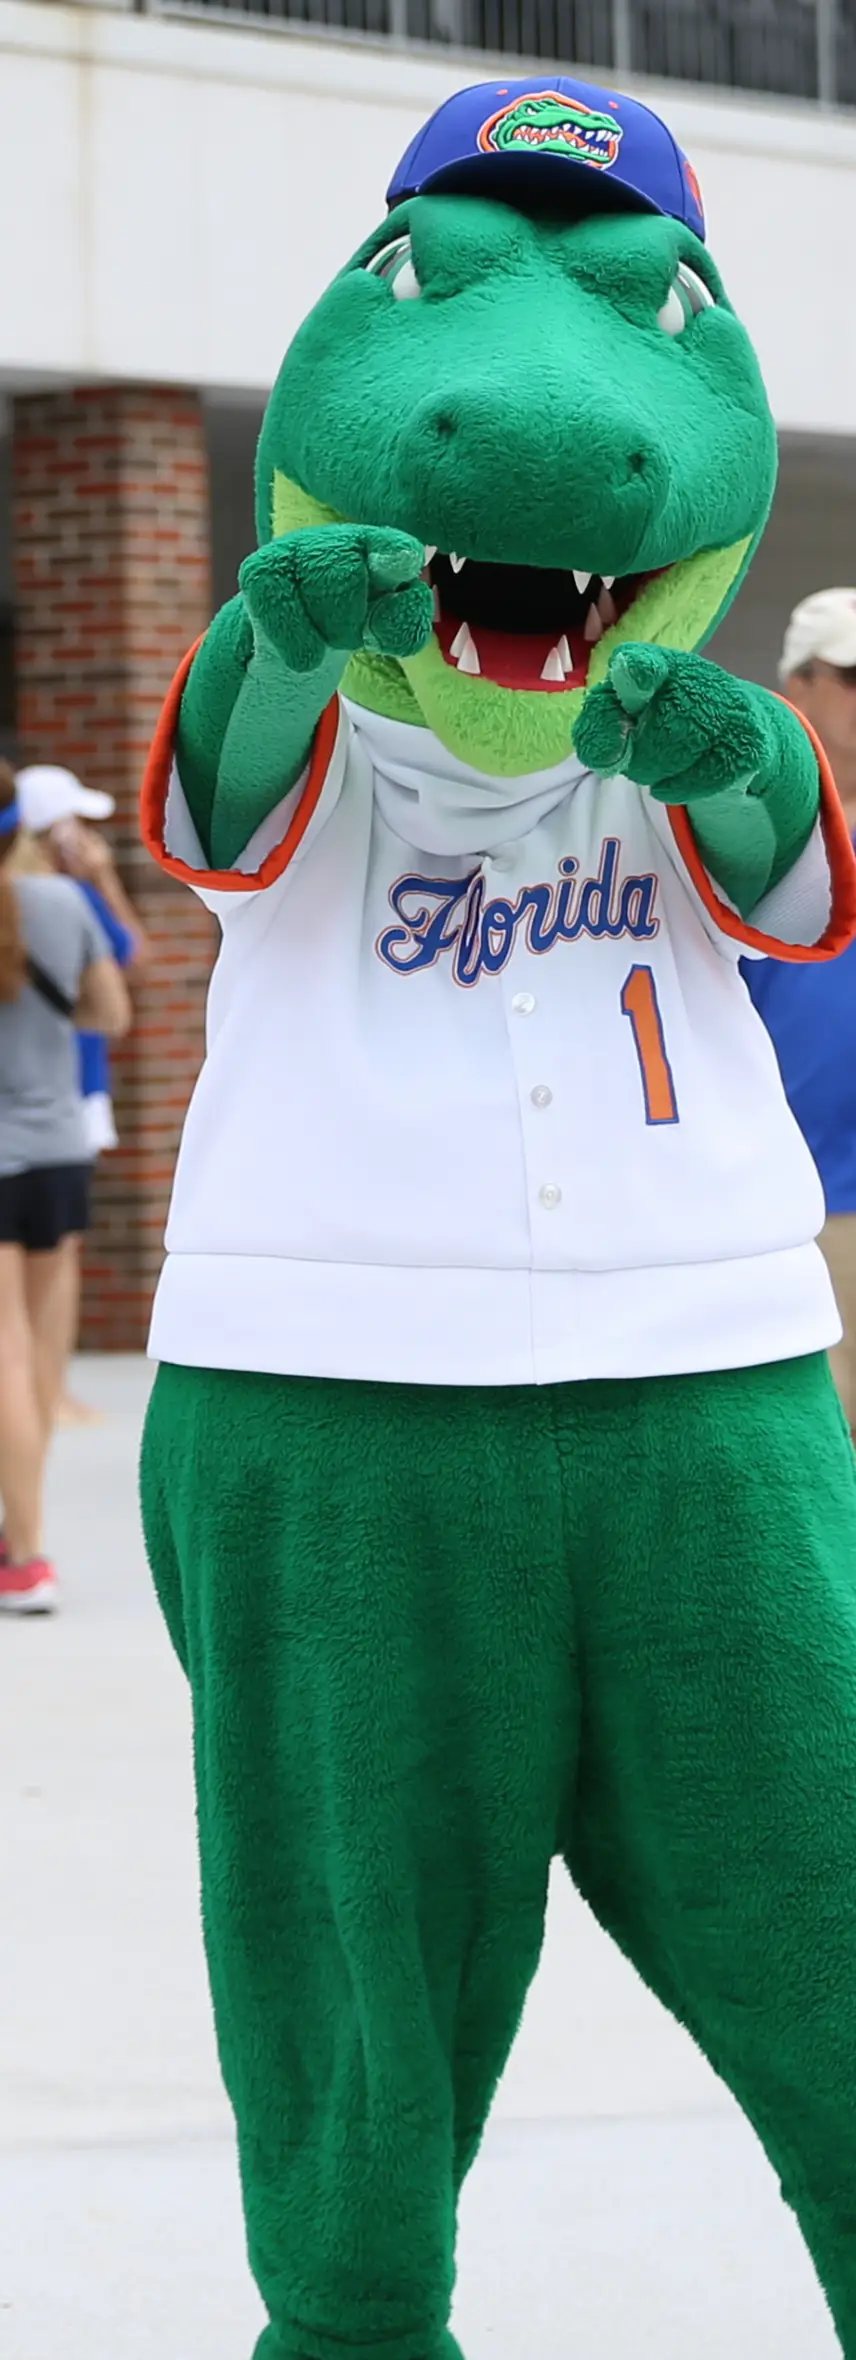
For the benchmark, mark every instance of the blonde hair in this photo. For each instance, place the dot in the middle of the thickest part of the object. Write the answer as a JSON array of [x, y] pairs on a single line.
[[28, 857]]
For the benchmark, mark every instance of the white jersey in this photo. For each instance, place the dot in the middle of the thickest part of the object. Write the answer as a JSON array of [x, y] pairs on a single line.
[[485, 1100]]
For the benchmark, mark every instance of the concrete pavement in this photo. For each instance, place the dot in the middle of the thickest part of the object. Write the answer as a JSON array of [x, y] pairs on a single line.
[[620, 2209]]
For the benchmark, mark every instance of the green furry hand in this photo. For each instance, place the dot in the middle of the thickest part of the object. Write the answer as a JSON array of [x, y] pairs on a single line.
[[686, 730], [340, 587]]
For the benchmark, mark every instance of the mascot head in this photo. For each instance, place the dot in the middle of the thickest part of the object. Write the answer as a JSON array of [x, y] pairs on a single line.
[[532, 366]]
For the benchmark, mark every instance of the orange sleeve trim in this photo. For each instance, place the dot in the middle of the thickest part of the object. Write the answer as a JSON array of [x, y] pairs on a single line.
[[156, 788], [841, 929]]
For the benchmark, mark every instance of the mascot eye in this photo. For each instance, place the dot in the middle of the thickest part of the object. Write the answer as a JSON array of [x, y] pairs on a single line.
[[687, 296], [395, 263]]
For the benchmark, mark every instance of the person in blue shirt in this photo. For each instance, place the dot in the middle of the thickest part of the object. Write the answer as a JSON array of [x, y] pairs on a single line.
[[94, 1054], [810, 1010]]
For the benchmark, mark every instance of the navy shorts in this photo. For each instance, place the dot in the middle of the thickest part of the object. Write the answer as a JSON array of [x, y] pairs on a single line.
[[40, 1207]]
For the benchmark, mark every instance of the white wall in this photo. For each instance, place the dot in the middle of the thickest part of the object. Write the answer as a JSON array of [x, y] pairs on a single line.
[[174, 196]]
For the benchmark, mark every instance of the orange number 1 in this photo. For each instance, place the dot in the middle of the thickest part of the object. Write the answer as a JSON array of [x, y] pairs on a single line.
[[639, 1001]]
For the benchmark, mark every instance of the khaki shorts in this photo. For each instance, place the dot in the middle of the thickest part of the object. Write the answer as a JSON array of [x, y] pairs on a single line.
[[838, 1243]]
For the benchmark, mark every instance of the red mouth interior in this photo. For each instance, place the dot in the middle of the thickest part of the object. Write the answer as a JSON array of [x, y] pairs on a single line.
[[519, 617]]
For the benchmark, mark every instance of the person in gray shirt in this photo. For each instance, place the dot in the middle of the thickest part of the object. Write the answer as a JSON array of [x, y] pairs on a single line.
[[41, 1110], [55, 973]]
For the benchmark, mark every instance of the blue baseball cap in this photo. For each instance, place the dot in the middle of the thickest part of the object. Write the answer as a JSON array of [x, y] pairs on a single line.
[[556, 135]]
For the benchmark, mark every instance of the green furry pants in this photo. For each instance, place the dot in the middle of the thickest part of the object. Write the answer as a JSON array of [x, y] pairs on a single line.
[[434, 1638]]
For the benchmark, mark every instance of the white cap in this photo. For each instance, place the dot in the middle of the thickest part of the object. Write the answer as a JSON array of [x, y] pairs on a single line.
[[823, 625], [46, 794]]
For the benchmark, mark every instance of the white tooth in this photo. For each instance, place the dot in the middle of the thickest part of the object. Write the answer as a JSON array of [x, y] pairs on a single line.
[[430, 551], [606, 606], [554, 668], [469, 661], [456, 562], [464, 650], [593, 626], [582, 580], [607, 580], [565, 657]]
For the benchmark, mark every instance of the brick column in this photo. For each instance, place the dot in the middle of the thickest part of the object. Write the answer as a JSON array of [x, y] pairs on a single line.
[[111, 547]]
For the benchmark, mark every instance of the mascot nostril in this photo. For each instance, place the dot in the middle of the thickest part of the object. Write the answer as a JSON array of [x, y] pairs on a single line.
[[492, 1312]]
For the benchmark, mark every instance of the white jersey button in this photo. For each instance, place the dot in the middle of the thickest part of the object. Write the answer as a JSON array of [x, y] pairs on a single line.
[[523, 1003], [550, 1195], [541, 1096]]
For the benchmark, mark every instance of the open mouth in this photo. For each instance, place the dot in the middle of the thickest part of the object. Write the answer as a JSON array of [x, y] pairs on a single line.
[[523, 626], [594, 145]]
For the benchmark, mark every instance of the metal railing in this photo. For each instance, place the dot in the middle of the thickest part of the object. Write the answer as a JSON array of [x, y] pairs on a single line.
[[791, 48]]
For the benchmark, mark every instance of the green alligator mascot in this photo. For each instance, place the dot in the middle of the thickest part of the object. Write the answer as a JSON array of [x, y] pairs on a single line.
[[495, 1487]]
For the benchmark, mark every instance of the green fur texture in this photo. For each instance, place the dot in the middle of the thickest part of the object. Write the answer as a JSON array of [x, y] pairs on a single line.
[[526, 408], [412, 1688], [213, 691], [503, 731], [306, 600], [693, 735]]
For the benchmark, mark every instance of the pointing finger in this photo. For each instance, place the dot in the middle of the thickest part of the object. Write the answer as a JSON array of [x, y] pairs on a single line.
[[635, 674], [602, 733]]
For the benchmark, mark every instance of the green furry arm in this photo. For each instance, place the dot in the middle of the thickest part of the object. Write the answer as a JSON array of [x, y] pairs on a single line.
[[737, 757], [274, 657], [750, 836], [245, 731]]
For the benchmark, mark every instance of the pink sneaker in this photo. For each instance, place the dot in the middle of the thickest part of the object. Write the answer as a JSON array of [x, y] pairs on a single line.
[[28, 1589]]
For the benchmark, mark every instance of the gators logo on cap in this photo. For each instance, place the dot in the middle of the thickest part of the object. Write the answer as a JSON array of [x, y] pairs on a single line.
[[545, 123]]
